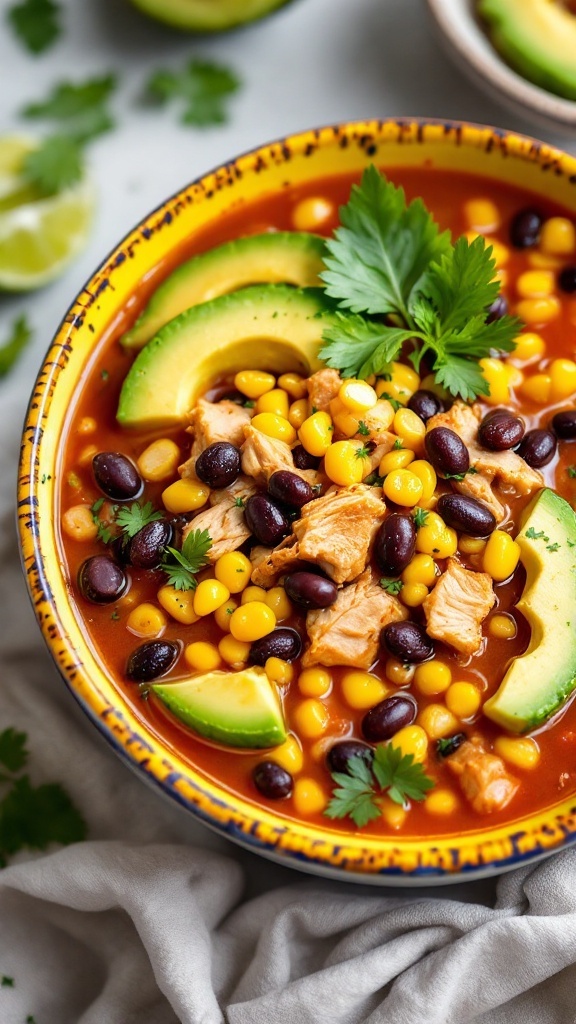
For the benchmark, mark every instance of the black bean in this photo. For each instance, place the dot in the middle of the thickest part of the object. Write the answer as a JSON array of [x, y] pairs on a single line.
[[148, 545], [266, 520], [341, 753], [500, 430], [538, 448], [303, 460], [425, 404], [498, 309], [272, 781], [407, 641], [290, 488], [219, 464], [308, 590], [525, 228], [447, 451], [567, 280], [119, 548], [564, 425], [395, 543], [101, 580], [116, 476], [153, 659], [467, 515], [390, 715], [449, 745], [283, 642]]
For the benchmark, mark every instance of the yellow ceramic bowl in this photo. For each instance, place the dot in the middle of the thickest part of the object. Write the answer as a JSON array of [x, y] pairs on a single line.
[[313, 154]]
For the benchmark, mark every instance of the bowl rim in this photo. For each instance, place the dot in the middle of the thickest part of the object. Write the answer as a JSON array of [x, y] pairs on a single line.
[[350, 857]]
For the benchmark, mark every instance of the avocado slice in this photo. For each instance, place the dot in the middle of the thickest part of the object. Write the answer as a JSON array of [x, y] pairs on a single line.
[[537, 683], [207, 15], [240, 709], [272, 326], [537, 38], [290, 257]]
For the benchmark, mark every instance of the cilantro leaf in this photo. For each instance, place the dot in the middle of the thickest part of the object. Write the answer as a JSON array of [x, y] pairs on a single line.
[[79, 108], [106, 531], [6, 981], [34, 817], [363, 430], [354, 795], [19, 338], [57, 164], [133, 519], [391, 586], [359, 347], [392, 773], [36, 23], [419, 515], [203, 86], [399, 774], [13, 753], [182, 566]]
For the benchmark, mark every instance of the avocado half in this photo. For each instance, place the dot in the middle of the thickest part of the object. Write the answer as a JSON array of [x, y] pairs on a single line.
[[537, 38], [207, 15], [537, 683], [282, 257]]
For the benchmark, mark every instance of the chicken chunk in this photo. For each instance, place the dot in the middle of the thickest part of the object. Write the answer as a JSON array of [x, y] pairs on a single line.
[[226, 525], [457, 607], [348, 632], [323, 386], [242, 489], [485, 782], [263, 455], [211, 422], [335, 531]]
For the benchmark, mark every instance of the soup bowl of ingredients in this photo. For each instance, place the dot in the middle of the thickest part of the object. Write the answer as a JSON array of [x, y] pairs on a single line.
[[296, 500]]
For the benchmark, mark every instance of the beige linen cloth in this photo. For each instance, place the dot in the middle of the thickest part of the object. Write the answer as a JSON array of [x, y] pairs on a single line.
[[150, 921]]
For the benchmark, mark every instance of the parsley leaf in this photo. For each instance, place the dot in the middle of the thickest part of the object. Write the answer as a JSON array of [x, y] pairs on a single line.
[[20, 335], [392, 586], [354, 795], [132, 520], [399, 774], [56, 164], [182, 566], [79, 108], [36, 23], [392, 773], [202, 85], [359, 347], [13, 753]]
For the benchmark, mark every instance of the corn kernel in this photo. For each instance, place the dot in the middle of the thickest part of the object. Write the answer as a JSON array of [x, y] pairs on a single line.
[[344, 421], [435, 538], [463, 699], [311, 718], [502, 626], [279, 671], [78, 523], [398, 458], [277, 599], [403, 487], [539, 311], [541, 261], [357, 396], [87, 425], [533, 284], [146, 620], [202, 657], [440, 802], [482, 215], [471, 545], [495, 374], [298, 412], [537, 388], [398, 673], [405, 377], [159, 461], [274, 426], [413, 594], [254, 383], [233, 569], [315, 682], [361, 690], [410, 428], [316, 433], [394, 814], [427, 476], [380, 418], [87, 454], [342, 464], [209, 595], [294, 384], [521, 751], [308, 796], [223, 613], [179, 604], [289, 755], [234, 652], [501, 556], [312, 213], [437, 721], [252, 621], [421, 569], [275, 402], [185, 496], [558, 237], [562, 378], [412, 739], [253, 593], [432, 677]]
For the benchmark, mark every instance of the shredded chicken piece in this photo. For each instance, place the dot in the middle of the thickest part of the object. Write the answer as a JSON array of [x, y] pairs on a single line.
[[211, 422], [258, 554], [323, 386], [483, 777], [458, 605], [504, 470], [348, 632], [242, 488], [263, 455], [335, 531], [226, 525]]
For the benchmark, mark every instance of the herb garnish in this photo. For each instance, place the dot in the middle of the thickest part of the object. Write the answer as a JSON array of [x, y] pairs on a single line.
[[203, 86], [388, 259], [10, 351], [419, 515], [532, 534], [571, 470], [363, 429], [364, 452], [6, 981], [397, 446], [181, 566], [391, 773], [460, 476], [105, 531], [392, 586], [132, 520], [36, 23]]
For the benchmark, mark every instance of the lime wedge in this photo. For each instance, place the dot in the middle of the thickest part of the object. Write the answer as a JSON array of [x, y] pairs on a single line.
[[38, 235]]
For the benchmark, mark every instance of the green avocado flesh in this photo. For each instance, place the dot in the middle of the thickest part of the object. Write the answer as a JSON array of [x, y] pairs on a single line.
[[273, 327], [537, 683], [240, 709], [207, 15], [288, 257], [537, 38]]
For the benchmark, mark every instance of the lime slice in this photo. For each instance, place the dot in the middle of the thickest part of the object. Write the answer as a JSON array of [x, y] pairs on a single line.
[[38, 235]]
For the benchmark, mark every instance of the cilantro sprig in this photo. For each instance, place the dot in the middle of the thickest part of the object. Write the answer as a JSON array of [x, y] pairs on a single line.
[[130, 518], [203, 86], [181, 566], [389, 260], [391, 773], [36, 23]]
